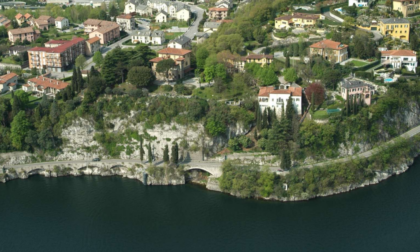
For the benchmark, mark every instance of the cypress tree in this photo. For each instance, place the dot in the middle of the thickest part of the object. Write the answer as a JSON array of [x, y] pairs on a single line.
[[149, 153], [166, 154], [141, 149], [80, 81], [347, 105], [259, 124], [74, 85], [354, 104], [174, 154], [264, 119], [287, 63], [313, 102], [255, 135], [290, 111], [285, 161], [16, 106]]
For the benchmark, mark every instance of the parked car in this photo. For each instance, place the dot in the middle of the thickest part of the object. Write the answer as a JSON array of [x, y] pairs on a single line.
[[96, 159]]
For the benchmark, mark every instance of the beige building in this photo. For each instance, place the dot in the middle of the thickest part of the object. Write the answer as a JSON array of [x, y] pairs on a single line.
[[297, 20], [126, 22], [57, 55], [8, 82], [105, 30], [21, 34], [260, 59], [406, 7], [332, 51], [218, 13], [44, 85], [182, 60], [395, 27], [93, 45]]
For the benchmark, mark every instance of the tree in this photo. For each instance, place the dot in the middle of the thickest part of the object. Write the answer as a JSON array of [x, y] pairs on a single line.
[[19, 130], [174, 154], [149, 153], [103, 15], [317, 91], [96, 85], [141, 149], [287, 63], [210, 73], [164, 66], [215, 127], [166, 154], [388, 4], [267, 76], [74, 85], [141, 76], [113, 11], [414, 41], [290, 75], [201, 56], [80, 80], [54, 112], [331, 79], [290, 110], [80, 61], [98, 59], [286, 162], [348, 22]]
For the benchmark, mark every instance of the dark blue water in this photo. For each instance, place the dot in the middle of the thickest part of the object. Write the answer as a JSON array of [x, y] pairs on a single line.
[[116, 214]]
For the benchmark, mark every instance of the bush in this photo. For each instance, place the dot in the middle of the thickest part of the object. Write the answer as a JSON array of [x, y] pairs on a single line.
[[167, 88], [245, 142], [182, 89]]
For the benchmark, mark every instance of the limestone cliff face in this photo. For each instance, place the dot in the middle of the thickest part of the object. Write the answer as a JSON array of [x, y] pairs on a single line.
[[404, 119]]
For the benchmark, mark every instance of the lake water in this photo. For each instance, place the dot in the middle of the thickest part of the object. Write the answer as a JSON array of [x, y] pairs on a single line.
[[117, 214]]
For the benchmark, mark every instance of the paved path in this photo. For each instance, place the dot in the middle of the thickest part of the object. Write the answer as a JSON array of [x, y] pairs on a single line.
[[366, 154], [193, 29]]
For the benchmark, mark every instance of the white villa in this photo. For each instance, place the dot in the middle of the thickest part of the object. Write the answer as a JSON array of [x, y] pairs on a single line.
[[224, 4], [61, 23], [146, 37], [43, 85], [276, 99], [181, 42], [399, 59], [360, 3], [8, 82], [176, 10], [161, 17], [135, 6], [126, 22], [210, 27]]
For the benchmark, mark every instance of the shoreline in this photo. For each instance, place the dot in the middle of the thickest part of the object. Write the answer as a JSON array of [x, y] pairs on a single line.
[[212, 182]]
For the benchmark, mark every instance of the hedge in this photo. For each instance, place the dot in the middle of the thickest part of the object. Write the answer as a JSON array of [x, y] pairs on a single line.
[[364, 75], [366, 67]]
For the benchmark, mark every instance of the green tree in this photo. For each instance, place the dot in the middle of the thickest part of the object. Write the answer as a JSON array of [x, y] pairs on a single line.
[[54, 112], [98, 59], [164, 66], [201, 56], [414, 41], [149, 153], [175, 153], [210, 73], [290, 110], [80, 61], [215, 127], [141, 149], [113, 11], [166, 154], [286, 162], [141, 76], [265, 183], [290, 75], [287, 63], [19, 130]]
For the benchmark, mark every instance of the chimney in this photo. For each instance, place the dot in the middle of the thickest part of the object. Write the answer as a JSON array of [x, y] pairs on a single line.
[[43, 78]]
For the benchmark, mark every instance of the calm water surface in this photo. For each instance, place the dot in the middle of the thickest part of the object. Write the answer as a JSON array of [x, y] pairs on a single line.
[[116, 214]]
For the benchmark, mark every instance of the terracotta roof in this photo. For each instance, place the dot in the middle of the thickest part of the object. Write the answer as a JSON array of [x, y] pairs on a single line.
[[225, 21], [11, 84], [26, 85], [174, 51], [266, 91], [126, 16], [27, 15], [326, 43], [180, 59], [22, 30], [218, 9], [18, 16], [92, 22], [43, 17], [7, 77], [298, 15], [93, 40], [59, 18], [158, 59], [398, 53], [47, 82], [59, 42], [41, 21], [59, 49]]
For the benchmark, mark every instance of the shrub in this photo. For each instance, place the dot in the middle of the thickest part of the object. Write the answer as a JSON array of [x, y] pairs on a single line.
[[167, 88]]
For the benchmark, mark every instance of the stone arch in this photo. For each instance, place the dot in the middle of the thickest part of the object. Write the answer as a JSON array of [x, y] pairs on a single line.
[[208, 170], [35, 171]]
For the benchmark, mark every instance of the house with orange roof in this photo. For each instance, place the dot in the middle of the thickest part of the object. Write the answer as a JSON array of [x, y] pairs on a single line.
[[22, 34], [8, 82], [217, 13], [182, 58], [297, 20], [126, 22], [44, 85], [332, 51], [20, 19], [27, 16], [93, 45], [276, 98], [400, 59], [262, 60], [105, 30], [61, 23]]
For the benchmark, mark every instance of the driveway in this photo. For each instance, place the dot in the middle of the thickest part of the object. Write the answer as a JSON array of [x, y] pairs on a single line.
[[193, 29]]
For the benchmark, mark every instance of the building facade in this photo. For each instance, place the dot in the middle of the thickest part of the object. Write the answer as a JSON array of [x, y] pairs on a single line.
[[297, 20], [105, 30], [357, 90], [360, 3], [153, 37], [57, 55], [62, 23], [395, 27], [276, 99], [406, 7], [8, 82], [93, 45], [126, 22], [218, 13], [182, 60], [262, 60], [210, 27], [161, 17], [332, 51], [181, 42], [400, 59], [21, 34]]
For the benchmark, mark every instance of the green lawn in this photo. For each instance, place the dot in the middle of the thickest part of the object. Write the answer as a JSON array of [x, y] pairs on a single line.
[[320, 115], [358, 63], [128, 42], [172, 35], [64, 36], [9, 60], [330, 22], [206, 93]]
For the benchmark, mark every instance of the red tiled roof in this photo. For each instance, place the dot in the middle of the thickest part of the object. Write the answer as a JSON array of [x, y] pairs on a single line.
[[27, 15], [259, 56], [58, 49], [6, 77], [399, 53], [21, 30], [326, 43], [218, 9], [60, 42], [18, 16], [174, 51], [93, 40], [11, 84], [126, 16], [155, 60], [266, 91], [47, 82], [59, 18]]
